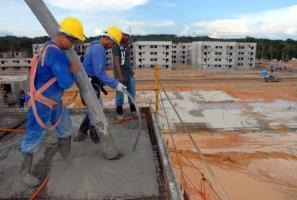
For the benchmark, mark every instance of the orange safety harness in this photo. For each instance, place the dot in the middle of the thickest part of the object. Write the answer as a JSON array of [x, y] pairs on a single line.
[[36, 95]]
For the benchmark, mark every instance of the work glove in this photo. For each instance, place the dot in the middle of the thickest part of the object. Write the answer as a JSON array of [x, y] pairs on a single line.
[[121, 87]]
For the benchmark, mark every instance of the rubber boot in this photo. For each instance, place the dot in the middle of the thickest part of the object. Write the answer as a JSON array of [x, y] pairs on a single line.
[[26, 176], [120, 116], [93, 134], [132, 108], [64, 145], [83, 130], [133, 111]]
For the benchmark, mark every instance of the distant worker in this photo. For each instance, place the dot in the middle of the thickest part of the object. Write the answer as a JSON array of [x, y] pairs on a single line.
[[22, 99], [95, 66], [51, 73], [124, 73]]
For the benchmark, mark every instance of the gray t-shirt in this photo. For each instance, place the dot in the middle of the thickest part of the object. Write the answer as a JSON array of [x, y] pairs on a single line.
[[124, 54]]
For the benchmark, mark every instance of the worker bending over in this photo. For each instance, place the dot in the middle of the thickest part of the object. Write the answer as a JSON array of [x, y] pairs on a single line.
[[51, 73], [95, 66]]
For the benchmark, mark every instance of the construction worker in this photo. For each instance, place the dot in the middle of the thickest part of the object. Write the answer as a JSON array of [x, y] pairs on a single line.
[[124, 73], [95, 66], [51, 73]]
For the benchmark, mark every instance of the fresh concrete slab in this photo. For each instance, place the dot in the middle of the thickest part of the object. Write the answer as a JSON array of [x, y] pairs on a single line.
[[86, 175]]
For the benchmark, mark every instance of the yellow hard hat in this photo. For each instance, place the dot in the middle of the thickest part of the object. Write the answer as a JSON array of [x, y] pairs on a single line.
[[73, 27], [115, 33]]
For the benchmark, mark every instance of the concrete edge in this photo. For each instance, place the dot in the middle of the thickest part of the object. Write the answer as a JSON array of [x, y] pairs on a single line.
[[174, 192]]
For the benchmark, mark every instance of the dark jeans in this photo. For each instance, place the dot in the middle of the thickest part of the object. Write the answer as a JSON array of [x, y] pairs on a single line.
[[86, 123]]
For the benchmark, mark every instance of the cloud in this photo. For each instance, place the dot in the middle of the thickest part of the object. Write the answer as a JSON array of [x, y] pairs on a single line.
[[147, 26], [277, 23], [98, 31], [96, 5], [148, 23], [5, 33], [185, 31]]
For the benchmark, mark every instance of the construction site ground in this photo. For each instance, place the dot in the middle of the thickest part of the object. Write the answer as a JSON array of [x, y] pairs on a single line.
[[86, 174], [245, 127]]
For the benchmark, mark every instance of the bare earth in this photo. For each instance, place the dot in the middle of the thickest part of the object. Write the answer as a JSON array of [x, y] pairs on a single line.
[[255, 162]]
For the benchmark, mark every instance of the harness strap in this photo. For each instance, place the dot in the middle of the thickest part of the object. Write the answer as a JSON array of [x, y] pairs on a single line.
[[36, 95]]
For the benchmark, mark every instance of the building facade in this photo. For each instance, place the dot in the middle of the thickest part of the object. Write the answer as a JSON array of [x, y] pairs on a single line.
[[181, 53], [223, 55], [148, 53], [12, 62], [13, 54]]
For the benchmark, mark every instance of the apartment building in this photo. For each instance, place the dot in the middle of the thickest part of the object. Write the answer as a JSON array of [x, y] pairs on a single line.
[[14, 62], [13, 54], [181, 53], [81, 49], [223, 55], [148, 53]]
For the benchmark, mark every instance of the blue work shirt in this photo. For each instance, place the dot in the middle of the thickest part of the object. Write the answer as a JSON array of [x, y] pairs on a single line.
[[95, 64], [56, 65]]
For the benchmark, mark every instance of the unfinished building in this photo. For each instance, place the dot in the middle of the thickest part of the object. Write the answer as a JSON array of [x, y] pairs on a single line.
[[10, 87], [148, 53], [14, 62], [14, 65], [81, 49], [223, 55], [181, 53]]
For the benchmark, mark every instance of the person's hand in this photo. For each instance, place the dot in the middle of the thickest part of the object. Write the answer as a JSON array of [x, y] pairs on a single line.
[[121, 87], [74, 67]]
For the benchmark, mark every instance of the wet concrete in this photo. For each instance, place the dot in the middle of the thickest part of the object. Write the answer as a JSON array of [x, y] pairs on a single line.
[[87, 175], [10, 184]]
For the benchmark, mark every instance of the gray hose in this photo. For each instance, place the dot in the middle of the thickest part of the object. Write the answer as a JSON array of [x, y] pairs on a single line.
[[139, 119]]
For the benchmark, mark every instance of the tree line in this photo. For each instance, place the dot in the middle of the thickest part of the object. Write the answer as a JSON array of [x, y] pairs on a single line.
[[267, 49]]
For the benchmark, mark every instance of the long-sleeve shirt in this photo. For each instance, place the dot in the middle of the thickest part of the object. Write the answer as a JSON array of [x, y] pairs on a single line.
[[56, 65], [95, 64]]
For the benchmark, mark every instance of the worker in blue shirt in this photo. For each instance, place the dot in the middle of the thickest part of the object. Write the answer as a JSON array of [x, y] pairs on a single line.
[[51, 73], [95, 66]]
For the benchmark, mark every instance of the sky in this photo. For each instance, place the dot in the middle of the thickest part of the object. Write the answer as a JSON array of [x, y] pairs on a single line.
[[273, 19]]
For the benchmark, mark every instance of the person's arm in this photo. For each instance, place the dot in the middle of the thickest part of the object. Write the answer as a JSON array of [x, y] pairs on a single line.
[[98, 64], [60, 67], [116, 52]]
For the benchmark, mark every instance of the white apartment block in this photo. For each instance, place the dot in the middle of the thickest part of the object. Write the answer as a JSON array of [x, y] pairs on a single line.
[[13, 54], [81, 49], [15, 64], [181, 53], [148, 53], [223, 55]]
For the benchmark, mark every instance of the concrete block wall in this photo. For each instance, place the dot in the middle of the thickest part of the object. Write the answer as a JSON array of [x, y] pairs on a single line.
[[148, 53], [223, 55]]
